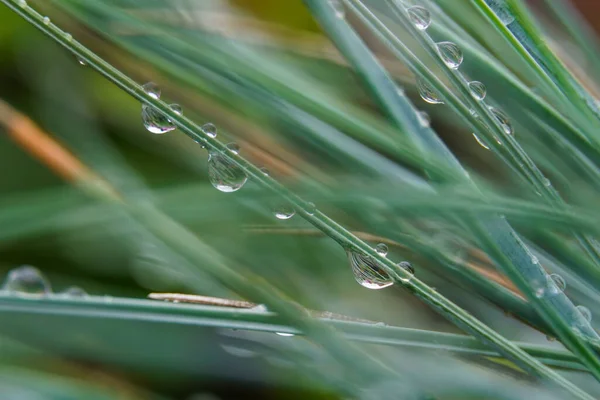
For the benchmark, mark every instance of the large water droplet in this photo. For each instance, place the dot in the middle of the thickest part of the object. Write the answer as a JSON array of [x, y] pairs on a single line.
[[210, 130], [27, 280], [585, 313], [152, 89], [368, 272], [478, 90], [156, 122], [427, 92], [74, 291], [450, 54], [338, 8], [502, 120], [382, 249], [284, 212], [420, 17], [224, 174], [46, 20], [405, 265]]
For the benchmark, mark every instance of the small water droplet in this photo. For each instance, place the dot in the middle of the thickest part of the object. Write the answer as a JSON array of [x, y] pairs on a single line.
[[23, 3], [427, 92], [338, 8], [502, 120], [547, 182], [74, 291], [264, 171], [559, 281], [233, 147], [481, 142], [156, 122], [285, 334], [450, 54], [177, 108], [382, 249], [420, 17], [69, 37], [424, 119], [27, 281], [210, 130], [311, 208], [478, 90], [260, 308], [585, 313], [367, 271], [152, 89], [534, 259], [46, 20], [284, 212], [81, 61], [224, 174], [405, 265], [550, 338]]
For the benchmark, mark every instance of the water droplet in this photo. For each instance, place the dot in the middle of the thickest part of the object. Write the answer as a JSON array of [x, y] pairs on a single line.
[[152, 89], [46, 20], [284, 212], [405, 265], [382, 249], [311, 208], [264, 171], [259, 308], [550, 338], [478, 90], [338, 8], [502, 120], [28, 281], [156, 122], [428, 93], [81, 61], [285, 334], [424, 119], [210, 130], [559, 282], [74, 291], [234, 148], [177, 108], [481, 142], [367, 271], [585, 313], [534, 259], [23, 3], [420, 17], [224, 174], [547, 182], [69, 37], [450, 54]]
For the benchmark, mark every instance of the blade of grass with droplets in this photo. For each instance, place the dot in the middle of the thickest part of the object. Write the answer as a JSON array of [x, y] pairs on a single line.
[[263, 321], [518, 29], [520, 266], [185, 243]]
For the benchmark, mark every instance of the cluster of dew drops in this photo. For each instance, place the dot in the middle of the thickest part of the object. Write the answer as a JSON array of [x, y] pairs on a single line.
[[452, 57], [28, 281], [227, 176]]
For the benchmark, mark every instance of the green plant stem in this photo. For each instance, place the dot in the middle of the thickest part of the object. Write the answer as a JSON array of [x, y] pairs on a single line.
[[185, 243]]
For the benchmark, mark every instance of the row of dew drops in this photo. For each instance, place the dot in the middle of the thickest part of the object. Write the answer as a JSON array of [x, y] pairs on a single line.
[[28, 281], [452, 56], [226, 176]]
